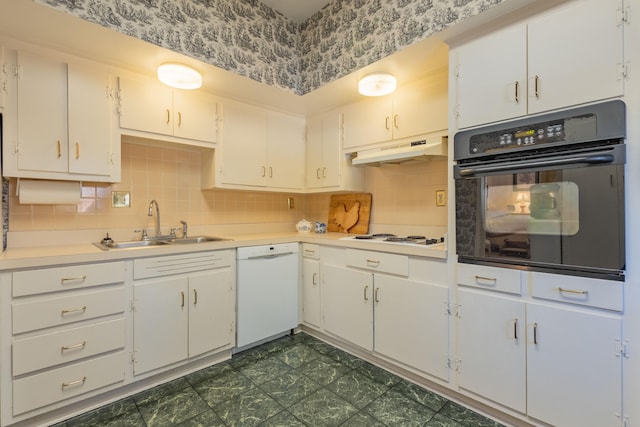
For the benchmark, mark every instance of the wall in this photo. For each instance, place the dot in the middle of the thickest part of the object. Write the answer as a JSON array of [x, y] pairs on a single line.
[[401, 195], [252, 40]]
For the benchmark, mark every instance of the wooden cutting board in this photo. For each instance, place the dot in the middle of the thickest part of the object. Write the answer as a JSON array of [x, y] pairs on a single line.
[[349, 213]]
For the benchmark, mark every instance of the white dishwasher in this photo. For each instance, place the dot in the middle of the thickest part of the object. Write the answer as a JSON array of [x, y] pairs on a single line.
[[267, 292]]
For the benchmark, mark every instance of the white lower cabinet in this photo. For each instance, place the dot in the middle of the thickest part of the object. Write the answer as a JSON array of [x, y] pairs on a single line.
[[311, 312], [347, 301], [491, 340], [574, 368], [559, 363], [184, 314], [403, 319], [67, 335]]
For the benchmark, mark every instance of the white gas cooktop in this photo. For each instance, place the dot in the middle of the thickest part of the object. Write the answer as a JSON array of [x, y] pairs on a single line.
[[392, 239]]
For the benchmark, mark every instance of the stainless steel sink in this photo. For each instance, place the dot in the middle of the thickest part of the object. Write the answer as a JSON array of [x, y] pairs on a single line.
[[157, 242], [196, 239]]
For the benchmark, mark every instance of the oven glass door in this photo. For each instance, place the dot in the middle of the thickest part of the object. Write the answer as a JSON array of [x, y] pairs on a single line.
[[567, 218]]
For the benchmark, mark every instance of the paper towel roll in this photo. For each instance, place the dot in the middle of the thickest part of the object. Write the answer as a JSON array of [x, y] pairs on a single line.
[[41, 192]]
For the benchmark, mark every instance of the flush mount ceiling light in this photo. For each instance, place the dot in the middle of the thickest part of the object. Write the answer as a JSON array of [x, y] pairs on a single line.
[[179, 76], [377, 84]]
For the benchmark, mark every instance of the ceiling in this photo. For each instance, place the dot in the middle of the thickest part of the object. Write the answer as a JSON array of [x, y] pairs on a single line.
[[297, 10]]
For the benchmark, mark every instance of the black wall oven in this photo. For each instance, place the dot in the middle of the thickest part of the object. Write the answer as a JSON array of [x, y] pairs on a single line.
[[544, 193]]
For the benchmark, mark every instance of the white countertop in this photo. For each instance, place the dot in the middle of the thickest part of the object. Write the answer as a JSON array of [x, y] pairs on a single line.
[[40, 256]]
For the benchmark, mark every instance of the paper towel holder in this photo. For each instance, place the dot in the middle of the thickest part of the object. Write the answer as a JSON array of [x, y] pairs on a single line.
[[48, 192]]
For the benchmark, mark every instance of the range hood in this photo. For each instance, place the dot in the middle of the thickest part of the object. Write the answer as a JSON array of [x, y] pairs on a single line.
[[414, 149]]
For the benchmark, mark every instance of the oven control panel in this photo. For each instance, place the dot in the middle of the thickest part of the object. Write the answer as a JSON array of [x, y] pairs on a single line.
[[521, 137]]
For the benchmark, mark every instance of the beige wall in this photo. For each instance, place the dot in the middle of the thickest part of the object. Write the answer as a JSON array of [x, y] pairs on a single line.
[[401, 195]]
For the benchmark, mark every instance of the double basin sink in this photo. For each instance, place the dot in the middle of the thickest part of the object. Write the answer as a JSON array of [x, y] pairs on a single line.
[[110, 244]]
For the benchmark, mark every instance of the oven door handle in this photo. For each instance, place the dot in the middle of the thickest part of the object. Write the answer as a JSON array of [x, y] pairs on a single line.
[[591, 159]]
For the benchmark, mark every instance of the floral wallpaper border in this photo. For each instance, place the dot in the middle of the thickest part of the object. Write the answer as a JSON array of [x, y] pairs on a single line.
[[249, 38]]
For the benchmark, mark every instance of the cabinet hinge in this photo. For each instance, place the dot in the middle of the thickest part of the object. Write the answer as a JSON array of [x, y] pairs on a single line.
[[622, 348], [132, 358], [624, 421], [452, 309], [132, 305], [454, 364], [623, 70], [622, 15]]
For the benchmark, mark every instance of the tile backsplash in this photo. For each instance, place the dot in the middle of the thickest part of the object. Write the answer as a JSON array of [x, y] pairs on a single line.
[[402, 194]]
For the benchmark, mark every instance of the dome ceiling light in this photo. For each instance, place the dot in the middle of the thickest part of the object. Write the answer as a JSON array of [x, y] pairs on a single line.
[[377, 84], [179, 76]]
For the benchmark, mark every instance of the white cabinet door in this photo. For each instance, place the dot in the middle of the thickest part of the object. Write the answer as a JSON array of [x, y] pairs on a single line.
[[146, 105], [89, 120], [347, 298], [311, 313], [492, 345], [411, 323], [574, 370], [577, 65], [194, 116], [244, 145], [421, 107], [42, 114], [492, 76], [285, 151], [211, 311], [160, 322], [368, 122], [323, 151]]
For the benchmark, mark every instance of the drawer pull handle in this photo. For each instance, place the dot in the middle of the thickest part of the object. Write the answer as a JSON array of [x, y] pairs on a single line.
[[517, 97], [195, 296], [318, 173], [537, 86], [182, 296], [573, 291], [365, 293], [74, 310], [535, 333], [80, 345], [492, 281], [376, 295], [373, 262], [75, 383], [73, 279], [59, 149], [309, 251], [313, 280], [77, 150], [515, 329], [168, 116]]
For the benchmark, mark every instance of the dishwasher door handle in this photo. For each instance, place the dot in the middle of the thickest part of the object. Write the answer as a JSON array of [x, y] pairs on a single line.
[[270, 255]]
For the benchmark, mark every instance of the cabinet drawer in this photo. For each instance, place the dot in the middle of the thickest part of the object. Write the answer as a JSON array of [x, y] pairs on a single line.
[[310, 251], [378, 261], [49, 387], [33, 282], [34, 315], [144, 268], [491, 278], [31, 354], [585, 291]]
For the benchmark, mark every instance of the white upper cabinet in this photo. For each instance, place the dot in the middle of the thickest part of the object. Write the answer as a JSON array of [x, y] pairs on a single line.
[[327, 169], [569, 55], [260, 149], [414, 109], [147, 105], [60, 125]]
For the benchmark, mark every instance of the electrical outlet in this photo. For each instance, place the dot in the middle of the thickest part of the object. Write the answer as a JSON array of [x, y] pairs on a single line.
[[290, 202]]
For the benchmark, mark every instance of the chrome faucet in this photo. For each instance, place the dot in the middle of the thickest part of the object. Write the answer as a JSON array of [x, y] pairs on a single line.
[[153, 202], [184, 229]]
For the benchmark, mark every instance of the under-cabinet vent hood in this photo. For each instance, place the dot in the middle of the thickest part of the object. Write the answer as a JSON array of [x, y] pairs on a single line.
[[408, 150]]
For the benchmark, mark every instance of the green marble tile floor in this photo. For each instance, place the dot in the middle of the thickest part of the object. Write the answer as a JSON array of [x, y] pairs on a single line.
[[292, 381]]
